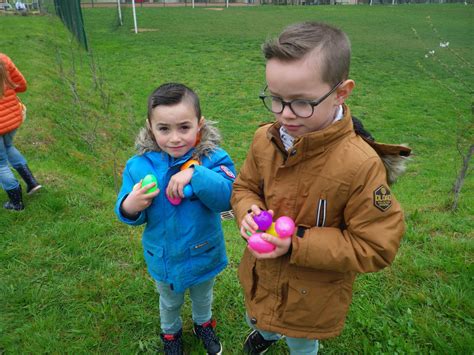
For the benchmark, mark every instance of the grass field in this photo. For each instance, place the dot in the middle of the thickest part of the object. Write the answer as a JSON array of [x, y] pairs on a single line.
[[72, 278]]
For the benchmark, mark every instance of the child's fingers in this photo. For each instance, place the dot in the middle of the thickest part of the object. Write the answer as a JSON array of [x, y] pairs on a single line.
[[244, 233], [255, 210], [148, 187], [180, 191], [282, 246], [249, 221], [272, 239], [249, 224], [174, 189], [152, 195], [170, 191], [137, 186]]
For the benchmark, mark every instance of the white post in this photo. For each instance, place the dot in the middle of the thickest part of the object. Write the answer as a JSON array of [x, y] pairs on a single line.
[[193, 4], [120, 12], [226, 3], [134, 16]]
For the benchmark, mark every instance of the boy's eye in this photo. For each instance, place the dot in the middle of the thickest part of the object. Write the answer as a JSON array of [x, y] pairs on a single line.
[[185, 128], [162, 129]]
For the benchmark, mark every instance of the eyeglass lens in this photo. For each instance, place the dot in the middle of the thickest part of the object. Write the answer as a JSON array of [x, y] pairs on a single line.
[[300, 108]]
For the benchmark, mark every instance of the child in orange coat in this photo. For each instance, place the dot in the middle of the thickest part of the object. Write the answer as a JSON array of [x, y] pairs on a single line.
[[12, 113]]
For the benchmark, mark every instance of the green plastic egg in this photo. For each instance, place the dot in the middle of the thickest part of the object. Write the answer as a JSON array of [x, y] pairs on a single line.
[[150, 178]]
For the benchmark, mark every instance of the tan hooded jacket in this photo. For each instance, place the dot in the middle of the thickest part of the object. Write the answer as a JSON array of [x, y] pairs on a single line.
[[334, 185]]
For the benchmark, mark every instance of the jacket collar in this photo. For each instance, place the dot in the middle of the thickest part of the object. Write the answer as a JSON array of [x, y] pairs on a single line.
[[312, 143]]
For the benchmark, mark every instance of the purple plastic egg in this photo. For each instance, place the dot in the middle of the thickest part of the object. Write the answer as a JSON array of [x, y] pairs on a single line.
[[259, 245], [284, 226], [263, 220]]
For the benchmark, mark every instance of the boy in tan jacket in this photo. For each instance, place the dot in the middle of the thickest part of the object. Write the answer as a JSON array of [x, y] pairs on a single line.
[[318, 166]]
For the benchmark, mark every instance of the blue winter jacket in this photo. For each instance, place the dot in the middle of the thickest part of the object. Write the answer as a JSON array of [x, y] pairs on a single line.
[[184, 244]]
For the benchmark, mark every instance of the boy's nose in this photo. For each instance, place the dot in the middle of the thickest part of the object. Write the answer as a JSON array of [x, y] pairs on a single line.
[[174, 137], [287, 113]]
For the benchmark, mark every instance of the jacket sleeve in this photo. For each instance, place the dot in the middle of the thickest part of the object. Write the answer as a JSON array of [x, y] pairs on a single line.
[[127, 186], [213, 184], [372, 234], [248, 188], [16, 76]]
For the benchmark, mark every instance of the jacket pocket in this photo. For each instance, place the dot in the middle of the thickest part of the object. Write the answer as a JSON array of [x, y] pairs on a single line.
[[206, 255], [315, 304], [155, 262]]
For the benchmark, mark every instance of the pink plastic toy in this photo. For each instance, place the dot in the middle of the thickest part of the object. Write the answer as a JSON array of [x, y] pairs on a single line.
[[174, 201], [187, 191], [263, 220], [284, 226], [259, 245]]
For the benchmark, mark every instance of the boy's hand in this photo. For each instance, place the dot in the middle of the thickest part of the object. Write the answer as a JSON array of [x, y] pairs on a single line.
[[248, 225], [178, 181], [282, 247], [139, 199]]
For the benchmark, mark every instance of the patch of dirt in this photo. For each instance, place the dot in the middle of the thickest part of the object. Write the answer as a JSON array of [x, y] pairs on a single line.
[[145, 30]]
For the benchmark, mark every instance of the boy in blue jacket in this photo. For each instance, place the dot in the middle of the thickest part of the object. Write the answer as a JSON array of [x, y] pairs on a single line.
[[183, 243]]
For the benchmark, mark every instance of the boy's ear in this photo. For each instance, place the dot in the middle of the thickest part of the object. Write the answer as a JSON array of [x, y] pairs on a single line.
[[343, 91], [201, 123]]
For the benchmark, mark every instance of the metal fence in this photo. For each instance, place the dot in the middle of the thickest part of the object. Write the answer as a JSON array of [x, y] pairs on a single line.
[[69, 11]]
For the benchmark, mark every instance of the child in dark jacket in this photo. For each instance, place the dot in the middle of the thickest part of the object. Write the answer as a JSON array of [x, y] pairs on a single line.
[[183, 240], [313, 166]]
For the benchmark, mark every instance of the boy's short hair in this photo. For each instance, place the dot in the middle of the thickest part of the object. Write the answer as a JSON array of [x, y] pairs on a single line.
[[331, 45], [172, 94]]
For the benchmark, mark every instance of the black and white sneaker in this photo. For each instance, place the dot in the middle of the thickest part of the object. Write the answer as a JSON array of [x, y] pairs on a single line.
[[206, 333], [255, 344], [173, 343]]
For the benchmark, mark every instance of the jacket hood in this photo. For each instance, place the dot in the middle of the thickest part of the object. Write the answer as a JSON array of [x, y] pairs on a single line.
[[210, 139], [394, 158], [395, 166]]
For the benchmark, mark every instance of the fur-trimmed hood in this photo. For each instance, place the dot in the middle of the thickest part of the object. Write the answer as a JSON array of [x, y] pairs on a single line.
[[394, 162], [210, 140], [394, 157]]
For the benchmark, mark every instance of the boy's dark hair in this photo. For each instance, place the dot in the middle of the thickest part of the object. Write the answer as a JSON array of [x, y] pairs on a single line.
[[331, 45], [172, 94]]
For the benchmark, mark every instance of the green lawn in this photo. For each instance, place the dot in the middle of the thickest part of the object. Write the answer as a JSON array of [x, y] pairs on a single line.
[[72, 278]]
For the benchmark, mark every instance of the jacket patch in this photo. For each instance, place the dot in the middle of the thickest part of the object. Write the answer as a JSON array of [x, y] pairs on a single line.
[[227, 171], [382, 198]]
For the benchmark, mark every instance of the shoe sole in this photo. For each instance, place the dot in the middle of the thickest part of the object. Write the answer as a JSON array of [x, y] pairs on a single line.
[[34, 189]]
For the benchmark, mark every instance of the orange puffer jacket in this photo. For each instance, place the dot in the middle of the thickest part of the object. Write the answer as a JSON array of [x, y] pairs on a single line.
[[11, 115]]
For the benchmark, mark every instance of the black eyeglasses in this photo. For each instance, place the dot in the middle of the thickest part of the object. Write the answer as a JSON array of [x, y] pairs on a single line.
[[300, 107]]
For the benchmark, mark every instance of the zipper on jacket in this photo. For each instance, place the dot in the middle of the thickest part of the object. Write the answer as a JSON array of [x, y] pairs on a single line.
[[321, 211], [201, 245]]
